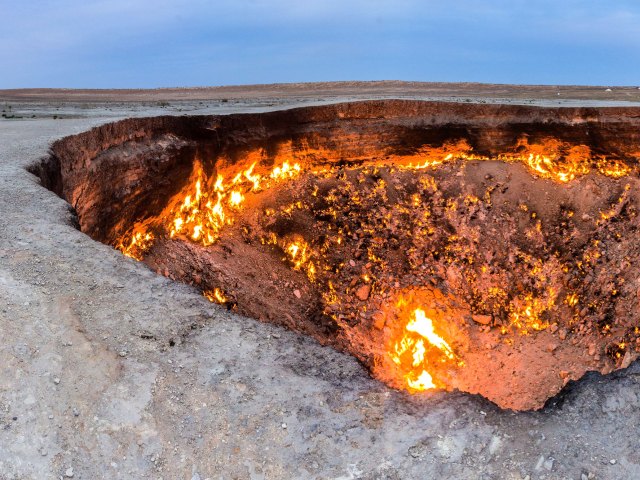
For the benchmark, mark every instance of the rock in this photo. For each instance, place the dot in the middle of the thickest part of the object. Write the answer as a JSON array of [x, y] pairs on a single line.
[[627, 359], [363, 292], [494, 445], [352, 263], [284, 426], [613, 461], [123, 353], [592, 349], [56, 380], [378, 322], [562, 334], [548, 464], [564, 374], [68, 473], [297, 293], [482, 319]]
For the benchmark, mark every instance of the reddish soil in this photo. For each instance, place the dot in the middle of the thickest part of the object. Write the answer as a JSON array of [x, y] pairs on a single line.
[[467, 240]]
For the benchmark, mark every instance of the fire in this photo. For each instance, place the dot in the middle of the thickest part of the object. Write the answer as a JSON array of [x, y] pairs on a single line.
[[216, 295], [139, 243], [207, 205], [551, 159], [423, 382], [411, 351], [206, 210], [423, 326], [285, 171], [299, 254]]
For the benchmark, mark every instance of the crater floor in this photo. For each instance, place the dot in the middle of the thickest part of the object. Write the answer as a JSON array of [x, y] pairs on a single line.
[[114, 371]]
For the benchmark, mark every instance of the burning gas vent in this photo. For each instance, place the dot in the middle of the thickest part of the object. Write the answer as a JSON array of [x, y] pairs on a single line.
[[488, 249]]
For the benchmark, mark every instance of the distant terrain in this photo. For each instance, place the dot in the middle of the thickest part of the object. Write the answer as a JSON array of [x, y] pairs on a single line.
[[324, 89]]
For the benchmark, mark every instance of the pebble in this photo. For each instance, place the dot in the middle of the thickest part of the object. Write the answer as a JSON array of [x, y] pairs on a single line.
[[482, 319], [123, 353], [363, 292], [297, 293], [548, 464], [56, 380], [284, 425], [612, 461], [69, 473]]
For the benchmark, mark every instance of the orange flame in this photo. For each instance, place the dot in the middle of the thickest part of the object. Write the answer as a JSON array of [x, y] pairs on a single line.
[[139, 243], [410, 352], [216, 295]]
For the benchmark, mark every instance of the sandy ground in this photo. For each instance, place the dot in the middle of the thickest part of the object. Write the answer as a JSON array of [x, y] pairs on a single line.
[[110, 371]]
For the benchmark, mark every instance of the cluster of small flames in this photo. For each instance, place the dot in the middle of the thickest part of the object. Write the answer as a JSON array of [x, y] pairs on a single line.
[[207, 206], [551, 159]]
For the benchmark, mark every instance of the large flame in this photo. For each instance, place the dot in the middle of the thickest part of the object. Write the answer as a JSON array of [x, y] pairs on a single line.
[[418, 346]]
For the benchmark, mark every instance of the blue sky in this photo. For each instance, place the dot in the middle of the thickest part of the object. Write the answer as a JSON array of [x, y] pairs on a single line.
[[163, 43]]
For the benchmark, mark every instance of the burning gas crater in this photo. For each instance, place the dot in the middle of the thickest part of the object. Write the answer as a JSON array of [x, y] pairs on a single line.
[[379, 243], [498, 260]]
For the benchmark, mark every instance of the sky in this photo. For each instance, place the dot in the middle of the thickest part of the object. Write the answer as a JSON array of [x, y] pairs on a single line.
[[169, 43]]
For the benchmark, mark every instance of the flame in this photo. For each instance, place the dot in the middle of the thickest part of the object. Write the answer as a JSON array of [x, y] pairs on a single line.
[[206, 206], [205, 211], [138, 244], [550, 159], [423, 382], [411, 351], [216, 295], [299, 253], [286, 171], [423, 326], [526, 312]]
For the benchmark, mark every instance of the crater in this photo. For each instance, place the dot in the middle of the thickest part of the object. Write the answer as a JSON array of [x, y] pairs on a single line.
[[483, 248]]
